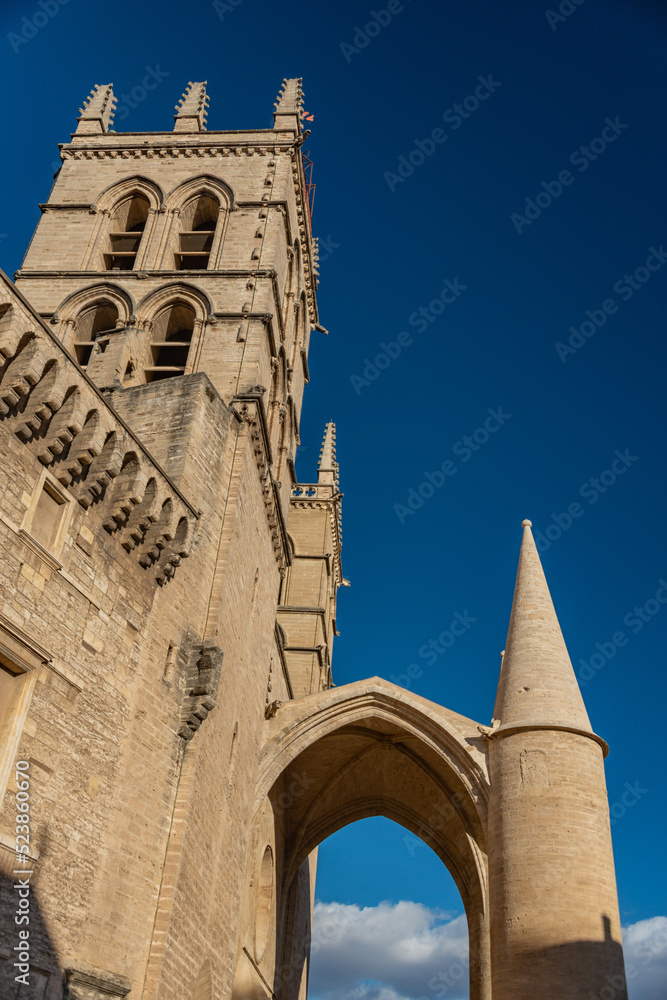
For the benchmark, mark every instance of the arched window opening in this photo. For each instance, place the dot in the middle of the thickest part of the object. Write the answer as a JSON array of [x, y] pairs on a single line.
[[90, 326], [170, 342], [128, 222], [198, 223]]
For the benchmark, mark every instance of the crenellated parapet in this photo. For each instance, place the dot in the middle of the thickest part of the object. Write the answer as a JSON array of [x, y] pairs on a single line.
[[72, 430]]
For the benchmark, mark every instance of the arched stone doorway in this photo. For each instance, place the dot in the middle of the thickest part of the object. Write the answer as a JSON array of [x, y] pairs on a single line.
[[366, 749], [517, 811]]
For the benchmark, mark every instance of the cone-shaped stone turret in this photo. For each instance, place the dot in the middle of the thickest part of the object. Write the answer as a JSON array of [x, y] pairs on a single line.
[[537, 684], [327, 467], [289, 105], [192, 109], [96, 115], [555, 925]]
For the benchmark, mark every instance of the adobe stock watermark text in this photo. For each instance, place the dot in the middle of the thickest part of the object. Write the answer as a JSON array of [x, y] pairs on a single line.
[[454, 117], [463, 449]]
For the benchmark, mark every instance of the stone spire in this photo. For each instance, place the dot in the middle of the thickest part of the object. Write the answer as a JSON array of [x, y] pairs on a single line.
[[327, 467], [537, 687], [192, 109], [96, 115], [289, 105]]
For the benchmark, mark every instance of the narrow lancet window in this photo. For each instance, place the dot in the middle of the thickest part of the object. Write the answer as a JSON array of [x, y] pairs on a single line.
[[90, 326], [171, 337], [127, 226], [198, 223]]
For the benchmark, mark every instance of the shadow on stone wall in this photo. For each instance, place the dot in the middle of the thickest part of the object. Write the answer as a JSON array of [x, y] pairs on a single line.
[[596, 967], [291, 978], [45, 978]]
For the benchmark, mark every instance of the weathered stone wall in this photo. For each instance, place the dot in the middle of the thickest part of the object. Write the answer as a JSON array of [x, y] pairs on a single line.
[[101, 729], [145, 712]]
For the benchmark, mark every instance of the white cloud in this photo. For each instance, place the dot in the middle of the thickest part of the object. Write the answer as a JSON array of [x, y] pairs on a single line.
[[406, 951], [645, 948], [393, 951]]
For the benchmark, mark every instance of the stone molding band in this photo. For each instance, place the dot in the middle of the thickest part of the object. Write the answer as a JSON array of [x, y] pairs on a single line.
[[510, 730]]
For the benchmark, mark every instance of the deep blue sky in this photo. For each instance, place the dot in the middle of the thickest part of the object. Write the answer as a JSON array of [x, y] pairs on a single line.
[[493, 347]]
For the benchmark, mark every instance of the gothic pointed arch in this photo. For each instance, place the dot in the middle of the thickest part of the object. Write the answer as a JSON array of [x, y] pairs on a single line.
[[453, 737], [368, 749], [90, 312], [136, 184], [294, 417], [300, 329], [126, 217], [287, 433], [297, 265], [107, 291], [203, 986], [173, 319], [181, 290], [202, 184], [292, 279], [197, 212]]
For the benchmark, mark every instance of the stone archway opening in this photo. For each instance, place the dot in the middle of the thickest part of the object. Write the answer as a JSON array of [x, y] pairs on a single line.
[[369, 749]]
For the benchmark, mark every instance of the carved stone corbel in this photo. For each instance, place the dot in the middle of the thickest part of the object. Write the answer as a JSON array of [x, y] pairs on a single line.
[[203, 680]]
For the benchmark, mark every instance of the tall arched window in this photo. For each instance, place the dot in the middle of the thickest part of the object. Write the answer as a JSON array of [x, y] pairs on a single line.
[[128, 222], [90, 325], [171, 337], [199, 219]]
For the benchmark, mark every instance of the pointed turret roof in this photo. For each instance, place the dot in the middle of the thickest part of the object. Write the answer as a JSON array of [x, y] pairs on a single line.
[[290, 97], [537, 684], [289, 105], [192, 109], [327, 467], [96, 115]]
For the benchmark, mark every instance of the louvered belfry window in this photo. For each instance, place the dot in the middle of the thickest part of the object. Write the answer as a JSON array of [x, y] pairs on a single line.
[[127, 227], [171, 337], [198, 223], [91, 325]]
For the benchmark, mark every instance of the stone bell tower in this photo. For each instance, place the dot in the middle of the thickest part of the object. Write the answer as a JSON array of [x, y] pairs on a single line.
[[167, 583], [163, 254]]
